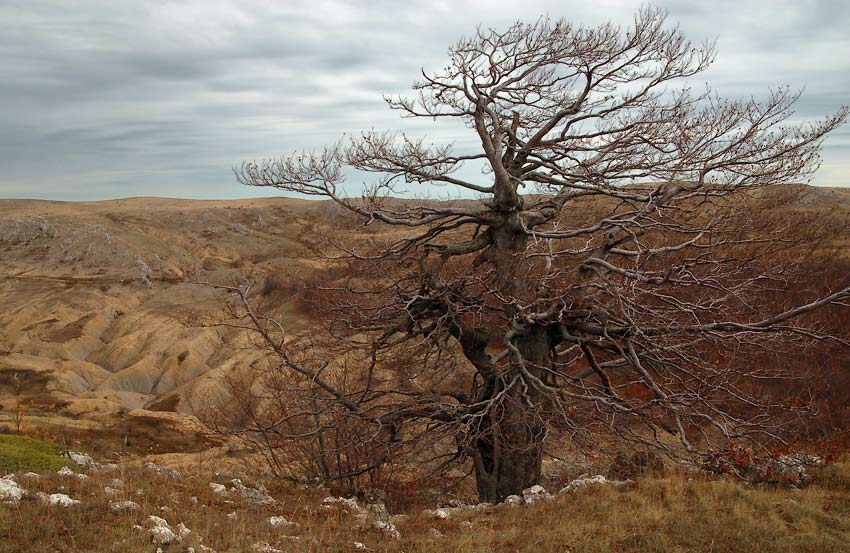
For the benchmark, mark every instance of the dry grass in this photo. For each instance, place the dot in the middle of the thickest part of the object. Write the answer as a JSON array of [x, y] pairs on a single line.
[[673, 515]]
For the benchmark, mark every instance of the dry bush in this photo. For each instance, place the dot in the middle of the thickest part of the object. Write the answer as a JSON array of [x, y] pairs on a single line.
[[278, 286], [299, 433]]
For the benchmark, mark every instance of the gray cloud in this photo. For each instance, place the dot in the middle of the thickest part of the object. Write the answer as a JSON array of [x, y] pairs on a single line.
[[113, 98]]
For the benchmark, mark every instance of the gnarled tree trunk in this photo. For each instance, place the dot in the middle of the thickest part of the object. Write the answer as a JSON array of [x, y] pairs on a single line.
[[509, 448], [509, 443]]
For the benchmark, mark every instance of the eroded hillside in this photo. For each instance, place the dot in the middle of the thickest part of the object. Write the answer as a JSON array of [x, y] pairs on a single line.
[[104, 324], [102, 315]]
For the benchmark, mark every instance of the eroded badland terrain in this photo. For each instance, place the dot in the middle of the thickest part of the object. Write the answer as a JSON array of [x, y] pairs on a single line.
[[102, 318], [108, 345]]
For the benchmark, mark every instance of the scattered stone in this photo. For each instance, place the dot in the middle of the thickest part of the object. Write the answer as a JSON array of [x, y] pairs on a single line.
[[163, 535], [183, 532], [231, 516], [456, 506], [137, 527], [59, 500], [10, 491], [387, 528], [349, 502], [82, 459], [85, 460], [264, 547], [218, 488], [258, 495], [123, 505], [33, 475], [512, 501], [157, 521], [193, 500], [65, 471], [360, 546], [536, 493], [161, 471], [281, 522], [377, 510], [466, 524], [364, 515], [116, 483], [582, 482], [435, 534]]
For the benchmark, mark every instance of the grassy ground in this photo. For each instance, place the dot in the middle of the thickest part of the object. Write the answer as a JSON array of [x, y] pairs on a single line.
[[673, 515], [25, 453]]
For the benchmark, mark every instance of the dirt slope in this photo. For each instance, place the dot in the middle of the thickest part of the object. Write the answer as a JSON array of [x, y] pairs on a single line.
[[99, 316]]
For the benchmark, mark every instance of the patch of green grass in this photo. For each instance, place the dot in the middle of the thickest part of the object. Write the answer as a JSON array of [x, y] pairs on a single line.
[[29, 454]]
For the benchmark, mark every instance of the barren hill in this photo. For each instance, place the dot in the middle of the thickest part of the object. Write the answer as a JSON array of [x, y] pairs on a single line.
[[100, 314], [103, 320]]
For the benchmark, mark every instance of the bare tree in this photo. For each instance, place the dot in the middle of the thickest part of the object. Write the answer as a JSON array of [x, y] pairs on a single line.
[[612, 273], [24, 385]]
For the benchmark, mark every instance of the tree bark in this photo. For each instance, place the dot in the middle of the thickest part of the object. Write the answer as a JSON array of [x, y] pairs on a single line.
[[509, 446]]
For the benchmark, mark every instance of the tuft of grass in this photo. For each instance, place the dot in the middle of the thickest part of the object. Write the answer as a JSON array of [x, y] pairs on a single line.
[[23, 453]]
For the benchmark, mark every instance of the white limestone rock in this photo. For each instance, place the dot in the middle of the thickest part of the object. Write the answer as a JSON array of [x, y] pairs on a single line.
[[281, 522], [10, 491], [61, 500], [124, 506], [163, 535], [65, 471], [387, 528], [582, 482], [218, 488], [536, 493], [183, 531], [512, 501]]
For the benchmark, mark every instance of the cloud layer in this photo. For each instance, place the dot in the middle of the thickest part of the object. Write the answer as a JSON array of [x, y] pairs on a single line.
[[106, 99]]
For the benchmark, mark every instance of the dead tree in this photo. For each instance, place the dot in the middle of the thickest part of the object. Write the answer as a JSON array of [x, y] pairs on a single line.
[[607, 276]]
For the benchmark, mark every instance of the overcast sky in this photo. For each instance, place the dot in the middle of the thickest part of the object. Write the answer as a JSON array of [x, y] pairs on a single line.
[[118, 98]]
